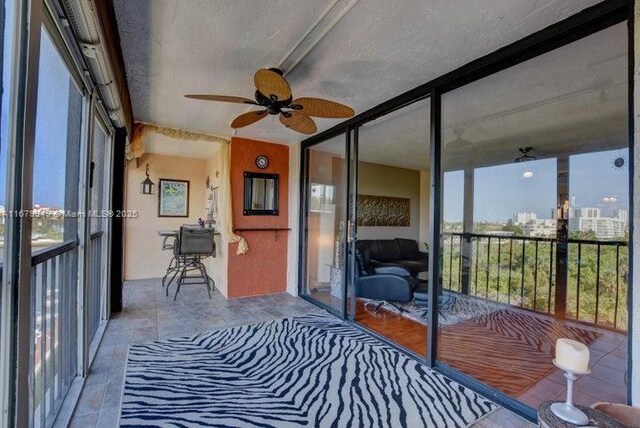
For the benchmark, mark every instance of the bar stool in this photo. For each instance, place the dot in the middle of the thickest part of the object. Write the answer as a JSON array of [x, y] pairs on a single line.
[[169, 244], [193, 245]]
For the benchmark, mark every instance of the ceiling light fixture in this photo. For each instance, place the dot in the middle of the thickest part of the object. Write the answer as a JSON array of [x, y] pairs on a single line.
[[527, 174], [459, 142], [525, 155]]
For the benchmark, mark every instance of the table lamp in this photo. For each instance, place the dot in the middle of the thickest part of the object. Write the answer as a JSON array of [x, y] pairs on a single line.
[[573, 358]]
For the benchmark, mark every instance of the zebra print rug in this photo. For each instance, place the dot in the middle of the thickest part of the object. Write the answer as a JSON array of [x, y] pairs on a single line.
[[314, 370], [453, 309]]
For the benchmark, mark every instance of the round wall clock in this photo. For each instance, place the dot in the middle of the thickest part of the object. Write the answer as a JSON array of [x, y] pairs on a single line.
[[262, 162]]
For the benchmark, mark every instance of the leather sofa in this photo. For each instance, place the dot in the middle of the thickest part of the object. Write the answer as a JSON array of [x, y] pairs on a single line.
[[389, 283], [395, 252]]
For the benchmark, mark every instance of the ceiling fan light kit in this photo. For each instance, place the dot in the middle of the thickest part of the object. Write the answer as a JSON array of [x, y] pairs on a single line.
[[274, 94]]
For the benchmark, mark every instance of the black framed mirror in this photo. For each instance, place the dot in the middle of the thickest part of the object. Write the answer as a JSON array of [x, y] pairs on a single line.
[[260, 193]]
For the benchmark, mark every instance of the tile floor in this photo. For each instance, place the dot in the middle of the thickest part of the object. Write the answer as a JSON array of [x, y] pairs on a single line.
[[607, 381], [148, 315]]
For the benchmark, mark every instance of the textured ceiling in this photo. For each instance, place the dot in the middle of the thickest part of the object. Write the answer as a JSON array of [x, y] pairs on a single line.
[[568, 101], [377, 50]]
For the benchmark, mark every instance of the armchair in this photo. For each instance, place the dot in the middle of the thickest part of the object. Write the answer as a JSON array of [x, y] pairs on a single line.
[[391, 283]]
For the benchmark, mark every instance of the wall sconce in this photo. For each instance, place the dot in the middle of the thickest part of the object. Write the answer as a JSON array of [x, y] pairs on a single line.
[[146, 187]]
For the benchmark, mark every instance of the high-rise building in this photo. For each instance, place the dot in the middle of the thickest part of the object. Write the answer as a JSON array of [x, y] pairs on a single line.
[[525, 217], [621, 215], [587, 212]]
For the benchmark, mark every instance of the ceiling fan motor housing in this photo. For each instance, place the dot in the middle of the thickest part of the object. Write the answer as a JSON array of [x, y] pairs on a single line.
[[272, 104]]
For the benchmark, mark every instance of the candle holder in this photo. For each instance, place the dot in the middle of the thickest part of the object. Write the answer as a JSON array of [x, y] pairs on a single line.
[[567, 411]]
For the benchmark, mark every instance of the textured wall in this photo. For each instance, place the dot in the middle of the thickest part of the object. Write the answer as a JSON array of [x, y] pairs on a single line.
[[217, 267], [143, 255], [383, 180], [264, 268]]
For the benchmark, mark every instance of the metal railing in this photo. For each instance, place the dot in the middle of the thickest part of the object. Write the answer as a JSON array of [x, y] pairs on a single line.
[[54, 279], [521, 271], [95, 288]]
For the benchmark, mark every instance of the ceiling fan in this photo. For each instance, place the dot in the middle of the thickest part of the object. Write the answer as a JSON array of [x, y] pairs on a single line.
[[274, 94]]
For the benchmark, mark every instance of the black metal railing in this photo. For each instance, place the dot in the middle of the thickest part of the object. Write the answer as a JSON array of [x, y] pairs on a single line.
[[521, 271], [54, 279], [95, 293]]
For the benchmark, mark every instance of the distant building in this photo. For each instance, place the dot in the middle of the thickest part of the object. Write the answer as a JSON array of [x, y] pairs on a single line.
[[621, 215], [543, 228], [525, 217], [591, 220], [531, 225], [587, 212]]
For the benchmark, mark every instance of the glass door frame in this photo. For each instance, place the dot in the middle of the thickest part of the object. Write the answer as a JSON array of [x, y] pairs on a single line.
[[348, 240], [582, 24], [30, 19]]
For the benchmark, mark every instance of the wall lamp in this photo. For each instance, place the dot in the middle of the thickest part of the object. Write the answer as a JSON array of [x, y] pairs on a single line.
[[146, 187]]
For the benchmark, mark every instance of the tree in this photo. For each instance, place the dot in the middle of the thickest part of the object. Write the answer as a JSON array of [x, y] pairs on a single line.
[[510, 227]]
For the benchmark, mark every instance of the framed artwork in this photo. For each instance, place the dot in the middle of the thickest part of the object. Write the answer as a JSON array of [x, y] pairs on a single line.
[[383, 211], [173, 198]]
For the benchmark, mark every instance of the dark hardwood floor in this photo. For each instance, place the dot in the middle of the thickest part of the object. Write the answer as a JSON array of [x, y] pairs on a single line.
[[405, 332]]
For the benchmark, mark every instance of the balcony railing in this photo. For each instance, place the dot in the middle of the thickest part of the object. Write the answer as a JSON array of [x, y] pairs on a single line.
[[521, 271], [94, 289], [54, 279]]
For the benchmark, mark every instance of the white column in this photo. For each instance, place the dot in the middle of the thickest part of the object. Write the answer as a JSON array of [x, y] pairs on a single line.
[[294, 219]]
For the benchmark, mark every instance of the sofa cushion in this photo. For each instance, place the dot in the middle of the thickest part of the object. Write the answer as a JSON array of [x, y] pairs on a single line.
[[388, 249], [408, 248], [413, 266], [372, 247], [363, 259]]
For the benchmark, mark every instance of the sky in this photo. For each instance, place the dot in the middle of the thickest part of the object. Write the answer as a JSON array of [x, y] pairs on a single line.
[[501, 191], [51, 127]]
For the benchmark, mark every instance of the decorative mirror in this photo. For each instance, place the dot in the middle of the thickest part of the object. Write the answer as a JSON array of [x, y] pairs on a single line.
[[260, 194]]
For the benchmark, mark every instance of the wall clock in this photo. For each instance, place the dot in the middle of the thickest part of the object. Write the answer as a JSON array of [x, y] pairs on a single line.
[[262, 162]]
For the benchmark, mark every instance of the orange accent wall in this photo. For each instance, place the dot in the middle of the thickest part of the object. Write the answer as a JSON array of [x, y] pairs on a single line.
[[263, 269]]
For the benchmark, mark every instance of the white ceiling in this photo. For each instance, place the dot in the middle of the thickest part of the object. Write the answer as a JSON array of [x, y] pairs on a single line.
[[568, 101], [379, 49]]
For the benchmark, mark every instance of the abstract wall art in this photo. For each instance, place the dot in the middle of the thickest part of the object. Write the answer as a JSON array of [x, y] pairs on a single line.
[[383, 211]]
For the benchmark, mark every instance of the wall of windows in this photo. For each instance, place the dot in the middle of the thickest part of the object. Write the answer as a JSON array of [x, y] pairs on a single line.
[[540, 247], [56, 160], [529, 238]]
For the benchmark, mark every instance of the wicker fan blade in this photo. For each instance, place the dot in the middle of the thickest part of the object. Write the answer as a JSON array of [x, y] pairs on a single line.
[[269, 83], [223, 98], [298, 121], [248, 118], [323, 108]]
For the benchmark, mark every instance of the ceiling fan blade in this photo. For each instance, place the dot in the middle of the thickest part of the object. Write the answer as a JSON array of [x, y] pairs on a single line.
[[323, 108], [269, 83], [298, 121], [248, 118], [223, 98]]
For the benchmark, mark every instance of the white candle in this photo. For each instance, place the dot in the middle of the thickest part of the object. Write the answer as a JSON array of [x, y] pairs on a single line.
[[572, 356]]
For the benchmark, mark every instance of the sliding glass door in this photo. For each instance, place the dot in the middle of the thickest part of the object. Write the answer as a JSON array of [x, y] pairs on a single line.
[[54, 234], [392, 211], [535, 222], [503, 200], [99, 224], [328, 223]]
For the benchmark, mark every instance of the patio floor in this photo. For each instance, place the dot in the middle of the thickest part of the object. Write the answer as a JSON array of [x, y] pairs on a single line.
[[148, 315], [483, 345]]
